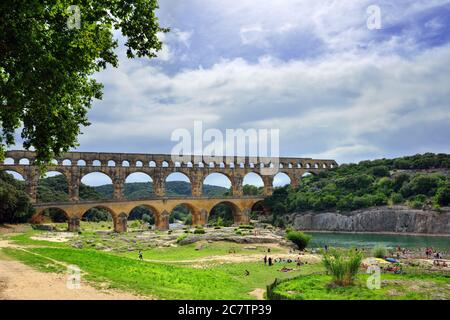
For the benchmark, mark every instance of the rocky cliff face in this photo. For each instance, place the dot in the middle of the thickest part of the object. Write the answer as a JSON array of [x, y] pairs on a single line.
[[380, 219]]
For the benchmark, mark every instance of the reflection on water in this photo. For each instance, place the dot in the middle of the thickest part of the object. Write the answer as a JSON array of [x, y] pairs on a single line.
[[370, 240]]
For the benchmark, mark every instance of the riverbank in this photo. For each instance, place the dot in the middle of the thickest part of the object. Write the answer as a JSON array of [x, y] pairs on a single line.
[[412, 234], [385, 219]]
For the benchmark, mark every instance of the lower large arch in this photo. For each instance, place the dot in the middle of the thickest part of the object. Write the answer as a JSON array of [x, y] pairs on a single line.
[[185, 213], [146, 214], [52, 215], [99, 217], [224, 213]]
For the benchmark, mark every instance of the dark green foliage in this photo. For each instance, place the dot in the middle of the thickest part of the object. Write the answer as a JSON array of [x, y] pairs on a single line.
[[366, 184], [443, 194], [199, 231], [180, 213], [250, 190], [14, 203], [425, 184], [143, 190], [47, 67], [300, 239], [223, 214], [342, 265], [96, 215]]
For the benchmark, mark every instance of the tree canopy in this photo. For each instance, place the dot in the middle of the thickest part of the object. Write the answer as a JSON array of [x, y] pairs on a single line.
[[419, 181], [47, 60]]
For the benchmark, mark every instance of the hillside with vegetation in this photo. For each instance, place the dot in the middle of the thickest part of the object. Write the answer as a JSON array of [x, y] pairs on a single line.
[[420, 182]]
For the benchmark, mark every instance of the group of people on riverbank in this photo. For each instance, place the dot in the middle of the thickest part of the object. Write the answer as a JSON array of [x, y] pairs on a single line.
[[269, 261]]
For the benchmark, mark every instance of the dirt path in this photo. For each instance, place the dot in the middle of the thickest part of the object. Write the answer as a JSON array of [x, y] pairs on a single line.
[[258, 293], [20, 282]]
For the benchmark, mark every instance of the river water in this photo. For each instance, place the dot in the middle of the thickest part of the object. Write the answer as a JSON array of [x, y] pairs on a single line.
[[360, 240]]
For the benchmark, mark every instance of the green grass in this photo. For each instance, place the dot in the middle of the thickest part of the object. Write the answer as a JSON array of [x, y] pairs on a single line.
[[25, 239], [188, 252], [398, 287], [261, 275], [41, 263], [161, 280]]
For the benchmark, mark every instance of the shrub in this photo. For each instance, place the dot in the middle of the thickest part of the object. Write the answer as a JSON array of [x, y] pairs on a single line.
[[135, 224], [239, 232], [443, 195], [300, 239], [181, 238], [379, 251], [199, 231], [397, 198], [343, 265], [380, 171], [246, 226], [418, 201]]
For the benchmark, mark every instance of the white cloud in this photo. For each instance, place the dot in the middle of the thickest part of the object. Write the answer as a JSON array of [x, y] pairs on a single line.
[[324, 107]]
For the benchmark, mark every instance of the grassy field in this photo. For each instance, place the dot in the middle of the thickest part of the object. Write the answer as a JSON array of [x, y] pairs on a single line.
[[185, 272], [165, 281], [190, 252], [393, 287]]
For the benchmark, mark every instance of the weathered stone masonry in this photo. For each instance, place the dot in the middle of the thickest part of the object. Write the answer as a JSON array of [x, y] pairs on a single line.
[[118, 166]]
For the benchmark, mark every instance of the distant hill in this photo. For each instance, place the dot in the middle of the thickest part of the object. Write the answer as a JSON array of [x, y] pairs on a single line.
[[138, 190], [419, 181], [53, 189]]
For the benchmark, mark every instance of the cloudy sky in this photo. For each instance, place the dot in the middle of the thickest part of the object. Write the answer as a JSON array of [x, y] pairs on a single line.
[[311, 68]]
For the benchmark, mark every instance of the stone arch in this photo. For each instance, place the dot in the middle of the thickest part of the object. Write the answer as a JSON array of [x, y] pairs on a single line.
[[252, 183], [141, 178], [219, 208], [24, 161], [17, 174], [257, 209], [213, 179], [308, 173], [81, 163], [38, 217], [281, 179], [96, 163], [9, 161], [91, 215], [193, 212], [55, 179], [111, 163], [67, 162], [184, 180], [97, 178]]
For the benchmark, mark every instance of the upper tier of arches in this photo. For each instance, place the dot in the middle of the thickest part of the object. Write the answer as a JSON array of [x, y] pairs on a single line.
[[168, 161]]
